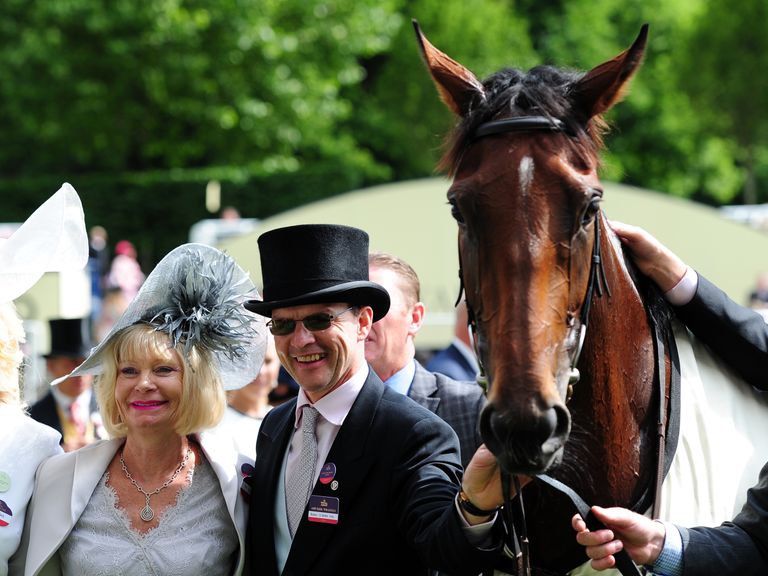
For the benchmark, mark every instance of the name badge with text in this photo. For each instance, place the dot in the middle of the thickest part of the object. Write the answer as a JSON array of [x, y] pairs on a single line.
[[323, 509]]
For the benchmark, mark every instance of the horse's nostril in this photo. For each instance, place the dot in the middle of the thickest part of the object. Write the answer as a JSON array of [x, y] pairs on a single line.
[[559, 426], [563, 422], [546, 424], [486, 428], [525, 444]]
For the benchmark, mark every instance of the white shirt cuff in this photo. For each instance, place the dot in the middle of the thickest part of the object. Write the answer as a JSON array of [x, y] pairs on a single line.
[[684, 291]]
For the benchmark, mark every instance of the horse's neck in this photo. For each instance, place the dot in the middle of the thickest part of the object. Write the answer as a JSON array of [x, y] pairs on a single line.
[[618, 368]]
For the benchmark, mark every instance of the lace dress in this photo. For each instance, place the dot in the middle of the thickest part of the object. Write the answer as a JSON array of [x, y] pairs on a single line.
[[196, 536]]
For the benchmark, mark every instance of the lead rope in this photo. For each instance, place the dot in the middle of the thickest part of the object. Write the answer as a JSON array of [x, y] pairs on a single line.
[[624, 563], [514, 516]]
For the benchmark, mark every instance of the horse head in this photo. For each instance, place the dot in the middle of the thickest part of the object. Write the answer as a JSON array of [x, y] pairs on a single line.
[[524, 158]]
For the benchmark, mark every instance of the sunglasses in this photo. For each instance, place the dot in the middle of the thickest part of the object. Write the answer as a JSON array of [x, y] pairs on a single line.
[[313, 322]]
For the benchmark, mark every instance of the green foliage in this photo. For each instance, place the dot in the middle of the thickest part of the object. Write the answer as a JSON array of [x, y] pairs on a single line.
[[398, 114], [724, 74], [151, 99], [140, 104]]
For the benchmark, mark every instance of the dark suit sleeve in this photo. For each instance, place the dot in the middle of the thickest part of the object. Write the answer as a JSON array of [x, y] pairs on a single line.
[[737, 334], [44, 411], [738, 548], [428, 479]]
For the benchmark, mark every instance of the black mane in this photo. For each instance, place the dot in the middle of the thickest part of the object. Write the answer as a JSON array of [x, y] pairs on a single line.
[[542, 91]]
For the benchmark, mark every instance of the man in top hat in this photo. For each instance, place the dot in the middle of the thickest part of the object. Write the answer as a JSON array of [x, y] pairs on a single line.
[[70, 406], [350, 466]]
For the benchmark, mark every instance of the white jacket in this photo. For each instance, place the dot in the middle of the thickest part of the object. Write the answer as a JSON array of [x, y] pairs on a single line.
[[24, 444], [65, 484]]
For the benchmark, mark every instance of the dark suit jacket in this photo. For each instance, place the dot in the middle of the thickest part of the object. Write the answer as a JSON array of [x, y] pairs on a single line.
[[44, 411], [458, 403], [397, 467], [740, 336], [451, 362], [738, 548]]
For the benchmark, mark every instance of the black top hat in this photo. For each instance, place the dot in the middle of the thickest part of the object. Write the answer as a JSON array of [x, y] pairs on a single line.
[[316, 263], [69, 337]]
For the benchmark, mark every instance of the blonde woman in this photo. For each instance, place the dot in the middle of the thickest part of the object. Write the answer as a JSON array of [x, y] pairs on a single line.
[[161, 497]]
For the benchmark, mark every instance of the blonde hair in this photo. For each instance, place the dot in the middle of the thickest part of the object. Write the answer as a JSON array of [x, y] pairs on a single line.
[[11, 338], [202, 398]]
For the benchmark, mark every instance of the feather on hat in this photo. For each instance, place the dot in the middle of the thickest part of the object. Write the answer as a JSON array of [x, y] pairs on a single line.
[[195, 294]]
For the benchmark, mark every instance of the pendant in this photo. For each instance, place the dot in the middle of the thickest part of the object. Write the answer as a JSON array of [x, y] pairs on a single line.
[[146, 513]]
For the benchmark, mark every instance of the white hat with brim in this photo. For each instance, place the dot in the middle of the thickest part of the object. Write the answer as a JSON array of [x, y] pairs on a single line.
[[53, 239], [196, 295]]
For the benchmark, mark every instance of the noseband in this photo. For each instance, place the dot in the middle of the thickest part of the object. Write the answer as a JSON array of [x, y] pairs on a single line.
[[513, 510]]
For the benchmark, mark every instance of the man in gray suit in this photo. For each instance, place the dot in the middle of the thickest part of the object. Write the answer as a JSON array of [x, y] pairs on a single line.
[[390, 350]]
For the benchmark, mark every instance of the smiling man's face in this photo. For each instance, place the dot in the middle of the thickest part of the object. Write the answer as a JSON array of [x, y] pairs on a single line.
[[322, 360]]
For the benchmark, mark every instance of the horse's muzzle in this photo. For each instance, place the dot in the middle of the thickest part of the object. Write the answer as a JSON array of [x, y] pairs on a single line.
[[526, 444]]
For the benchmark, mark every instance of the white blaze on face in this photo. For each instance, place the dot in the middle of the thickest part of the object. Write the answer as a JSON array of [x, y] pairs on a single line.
[[526, 174]]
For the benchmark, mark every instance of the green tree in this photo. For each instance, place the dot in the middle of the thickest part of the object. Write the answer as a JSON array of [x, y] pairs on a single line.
[[659, 139], [725, 76], [140, 104], [137, 101], [399, 117]]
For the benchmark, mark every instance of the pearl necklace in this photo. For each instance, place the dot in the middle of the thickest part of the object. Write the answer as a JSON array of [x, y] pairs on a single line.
[[147, 513]]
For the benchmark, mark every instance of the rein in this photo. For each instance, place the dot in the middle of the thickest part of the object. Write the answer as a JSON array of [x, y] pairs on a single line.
[[513, 510]]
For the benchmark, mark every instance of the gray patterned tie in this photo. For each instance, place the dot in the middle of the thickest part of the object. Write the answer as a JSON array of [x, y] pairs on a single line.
[[299, 484]]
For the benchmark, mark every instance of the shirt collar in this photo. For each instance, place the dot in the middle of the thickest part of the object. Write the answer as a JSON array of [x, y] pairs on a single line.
[[401, 380], [335, 405]]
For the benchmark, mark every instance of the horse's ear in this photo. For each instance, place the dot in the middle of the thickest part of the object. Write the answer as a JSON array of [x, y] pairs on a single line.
[[604, 85], [457, 86]]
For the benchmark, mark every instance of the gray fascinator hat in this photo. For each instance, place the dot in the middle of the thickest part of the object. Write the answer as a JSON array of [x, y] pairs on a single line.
[[195, 294]]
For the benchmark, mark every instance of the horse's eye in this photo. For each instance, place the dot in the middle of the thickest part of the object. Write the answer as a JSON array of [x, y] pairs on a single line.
[[455, 212], [591, 210]]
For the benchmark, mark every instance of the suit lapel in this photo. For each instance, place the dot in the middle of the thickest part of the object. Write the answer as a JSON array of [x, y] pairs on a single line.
[[64, 490], [90, 466], [220, 455], [274, 435], [49, 414], [424, 389], [223, 458], [312, 538]]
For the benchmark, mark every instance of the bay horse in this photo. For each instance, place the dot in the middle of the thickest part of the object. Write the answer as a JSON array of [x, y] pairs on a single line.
[[594, 408]]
